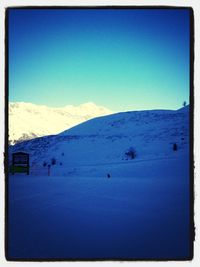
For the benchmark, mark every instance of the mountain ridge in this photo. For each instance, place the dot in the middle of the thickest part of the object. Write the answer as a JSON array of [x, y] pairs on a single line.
[[28, 120]]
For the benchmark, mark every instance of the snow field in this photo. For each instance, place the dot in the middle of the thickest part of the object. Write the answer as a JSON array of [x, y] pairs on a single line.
[[142, 211]]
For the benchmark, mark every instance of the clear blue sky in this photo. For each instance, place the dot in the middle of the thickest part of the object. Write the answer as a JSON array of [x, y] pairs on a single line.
[[122, 59]]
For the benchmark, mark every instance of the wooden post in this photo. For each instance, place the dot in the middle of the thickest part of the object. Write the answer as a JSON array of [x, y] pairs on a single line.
[[28, 166], [28, 170], [49, 167]]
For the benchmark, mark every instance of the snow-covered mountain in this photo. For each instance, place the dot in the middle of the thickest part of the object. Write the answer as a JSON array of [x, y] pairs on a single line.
[[27, 121], [110, 139]]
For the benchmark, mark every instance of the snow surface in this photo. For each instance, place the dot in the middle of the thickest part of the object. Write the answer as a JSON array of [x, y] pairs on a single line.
[[27, 120], [141, 211]]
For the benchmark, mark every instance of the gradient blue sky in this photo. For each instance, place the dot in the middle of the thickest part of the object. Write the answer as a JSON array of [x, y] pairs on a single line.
[[122, 59]]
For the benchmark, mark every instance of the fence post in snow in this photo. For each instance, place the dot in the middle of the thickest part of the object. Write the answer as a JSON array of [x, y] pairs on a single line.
[[49, 167]]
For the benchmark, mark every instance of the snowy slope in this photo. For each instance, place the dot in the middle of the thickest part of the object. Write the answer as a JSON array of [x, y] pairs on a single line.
[[141, 212], [27, 121], [106, 140]]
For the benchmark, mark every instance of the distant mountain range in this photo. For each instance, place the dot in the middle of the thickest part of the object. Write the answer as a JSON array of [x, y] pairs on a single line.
[[28, 121]]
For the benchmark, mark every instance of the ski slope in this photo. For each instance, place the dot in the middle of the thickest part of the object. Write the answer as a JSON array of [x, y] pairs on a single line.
[[106, 139], [97, 203], [142, 213]]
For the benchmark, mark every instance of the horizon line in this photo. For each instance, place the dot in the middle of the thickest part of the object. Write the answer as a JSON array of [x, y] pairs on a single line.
[[93, 103]]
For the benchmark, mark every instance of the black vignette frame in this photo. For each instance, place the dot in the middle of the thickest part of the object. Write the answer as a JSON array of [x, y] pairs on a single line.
[[6, 159]]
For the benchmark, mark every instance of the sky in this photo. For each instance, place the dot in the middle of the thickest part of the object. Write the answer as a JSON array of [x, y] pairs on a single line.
[[126, 59]]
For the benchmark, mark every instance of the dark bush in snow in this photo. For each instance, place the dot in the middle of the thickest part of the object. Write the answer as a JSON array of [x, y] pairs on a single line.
[[175, 148], [53, 161], [60, 163], [130, 153], [63, 154]]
